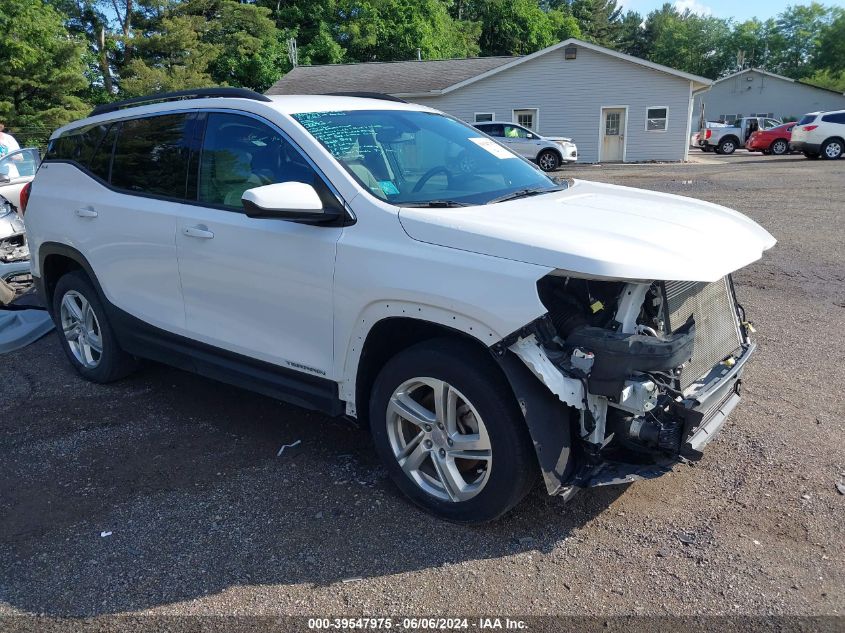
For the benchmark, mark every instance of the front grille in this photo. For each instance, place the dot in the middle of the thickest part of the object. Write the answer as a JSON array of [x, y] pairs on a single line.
[[717, 333]]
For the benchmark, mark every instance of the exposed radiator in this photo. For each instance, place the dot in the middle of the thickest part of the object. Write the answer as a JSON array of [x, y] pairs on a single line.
[[717, 333]]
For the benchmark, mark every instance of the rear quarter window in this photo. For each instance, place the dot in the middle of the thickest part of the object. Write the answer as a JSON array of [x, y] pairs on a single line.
[[151, 155], [836, 117], [77, 146]]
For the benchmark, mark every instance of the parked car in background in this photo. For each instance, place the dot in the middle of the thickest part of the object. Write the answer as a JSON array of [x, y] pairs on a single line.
[[697, 138], [726, 140], [323, 250], [820, 134], [772, 141], [549, 153], [16, 170]]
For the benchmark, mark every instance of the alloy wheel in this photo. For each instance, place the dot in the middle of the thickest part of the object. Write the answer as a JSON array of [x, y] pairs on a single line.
[[779, 147], [439, 439], [548, 161], [81, 329], [833, 149]]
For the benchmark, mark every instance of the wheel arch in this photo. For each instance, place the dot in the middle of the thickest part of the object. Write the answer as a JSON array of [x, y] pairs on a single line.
[[554, 150], [56, 260], [390, 335], [729, 137]]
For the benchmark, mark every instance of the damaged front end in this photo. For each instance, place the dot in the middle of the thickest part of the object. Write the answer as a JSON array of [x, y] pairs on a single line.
[[15, 276], [644, 374]]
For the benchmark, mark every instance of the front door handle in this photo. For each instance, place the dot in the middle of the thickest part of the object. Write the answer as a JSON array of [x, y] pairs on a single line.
[[198, 231], [86, 212]]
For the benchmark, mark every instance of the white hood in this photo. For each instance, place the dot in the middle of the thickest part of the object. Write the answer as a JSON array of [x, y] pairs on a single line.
[[601, 230]]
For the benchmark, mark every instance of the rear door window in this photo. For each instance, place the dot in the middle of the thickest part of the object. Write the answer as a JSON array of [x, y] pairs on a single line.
[[151, 155]]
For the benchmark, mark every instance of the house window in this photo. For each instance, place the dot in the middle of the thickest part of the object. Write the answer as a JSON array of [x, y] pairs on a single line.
[[527, 118], [656, 119], [484, 117]]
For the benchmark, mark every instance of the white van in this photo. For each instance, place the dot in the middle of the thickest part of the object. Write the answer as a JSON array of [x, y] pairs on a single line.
[[488, 326]]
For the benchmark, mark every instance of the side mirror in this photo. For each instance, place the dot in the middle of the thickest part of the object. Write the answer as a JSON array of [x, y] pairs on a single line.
[[292, 201]]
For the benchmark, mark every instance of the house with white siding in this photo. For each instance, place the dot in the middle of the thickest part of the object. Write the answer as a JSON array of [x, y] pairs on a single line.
[[614, 106], [757, 92]]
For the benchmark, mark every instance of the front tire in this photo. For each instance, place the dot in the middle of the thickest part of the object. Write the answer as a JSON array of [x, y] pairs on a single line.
[[85, 333], [548, 160], [447, 427]]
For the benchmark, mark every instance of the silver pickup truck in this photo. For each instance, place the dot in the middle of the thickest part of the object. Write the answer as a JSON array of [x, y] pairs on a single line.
[[725, 140]]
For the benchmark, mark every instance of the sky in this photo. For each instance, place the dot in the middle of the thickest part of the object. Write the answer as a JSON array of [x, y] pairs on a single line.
[[739, 9]]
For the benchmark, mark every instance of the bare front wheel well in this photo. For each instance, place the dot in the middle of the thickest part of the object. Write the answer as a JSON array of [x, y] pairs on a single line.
[[385, 340]]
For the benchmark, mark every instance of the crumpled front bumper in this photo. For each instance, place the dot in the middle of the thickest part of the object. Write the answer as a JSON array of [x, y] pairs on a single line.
[[704, 412]]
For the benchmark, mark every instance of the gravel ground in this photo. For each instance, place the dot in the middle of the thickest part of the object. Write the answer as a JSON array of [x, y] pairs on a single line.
[[164, 493]]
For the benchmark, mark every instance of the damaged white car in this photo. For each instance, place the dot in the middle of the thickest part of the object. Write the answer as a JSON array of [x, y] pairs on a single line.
[[488, 325]]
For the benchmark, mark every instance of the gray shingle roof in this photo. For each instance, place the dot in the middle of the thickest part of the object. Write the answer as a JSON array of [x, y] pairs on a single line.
[[386, 77]]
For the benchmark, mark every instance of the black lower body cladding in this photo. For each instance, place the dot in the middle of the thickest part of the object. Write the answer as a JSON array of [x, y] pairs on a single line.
[[618, 355]]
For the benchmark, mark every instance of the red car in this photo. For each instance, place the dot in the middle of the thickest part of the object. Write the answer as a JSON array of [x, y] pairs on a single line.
[[772, 141]]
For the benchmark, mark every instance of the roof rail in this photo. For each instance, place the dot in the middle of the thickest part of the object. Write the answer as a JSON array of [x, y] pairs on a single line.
[[196, 93], [366, 95]]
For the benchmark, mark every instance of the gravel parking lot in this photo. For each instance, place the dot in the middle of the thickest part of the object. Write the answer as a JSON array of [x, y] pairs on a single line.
[[164, 493]]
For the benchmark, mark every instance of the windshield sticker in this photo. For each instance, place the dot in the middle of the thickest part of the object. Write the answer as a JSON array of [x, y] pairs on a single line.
[[493, 147], [388, 187]]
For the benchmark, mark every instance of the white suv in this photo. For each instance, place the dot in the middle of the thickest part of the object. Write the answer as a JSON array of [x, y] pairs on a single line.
[[820, 134], [330, 251], [548, 152]]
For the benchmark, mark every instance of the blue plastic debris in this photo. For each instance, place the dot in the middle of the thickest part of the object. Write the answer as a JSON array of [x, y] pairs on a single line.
[[19, 328]]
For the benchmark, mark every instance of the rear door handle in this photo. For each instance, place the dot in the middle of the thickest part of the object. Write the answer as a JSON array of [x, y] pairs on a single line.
[[200, 232], [86, 212]]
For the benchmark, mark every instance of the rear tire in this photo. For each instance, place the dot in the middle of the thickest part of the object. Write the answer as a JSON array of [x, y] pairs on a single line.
[[779, 147], [727, 146], [832, 149], [85, 333], [468, 461]]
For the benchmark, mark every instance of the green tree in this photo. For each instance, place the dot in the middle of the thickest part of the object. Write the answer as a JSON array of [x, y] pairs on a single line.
[[686, 41], [759, 43], [386, 30], [801, 28], [195, 43], [830, 55], [518, 27], [41, 70], [631, 37], [599, 20]]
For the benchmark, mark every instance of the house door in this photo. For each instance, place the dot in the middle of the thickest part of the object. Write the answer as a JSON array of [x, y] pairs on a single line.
[[612, 135]]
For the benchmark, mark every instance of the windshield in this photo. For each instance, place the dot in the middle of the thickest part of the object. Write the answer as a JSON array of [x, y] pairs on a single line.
[[419, 158]]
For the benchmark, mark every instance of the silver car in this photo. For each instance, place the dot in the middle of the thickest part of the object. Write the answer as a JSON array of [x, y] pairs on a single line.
[[17, 169], [548, 153]]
